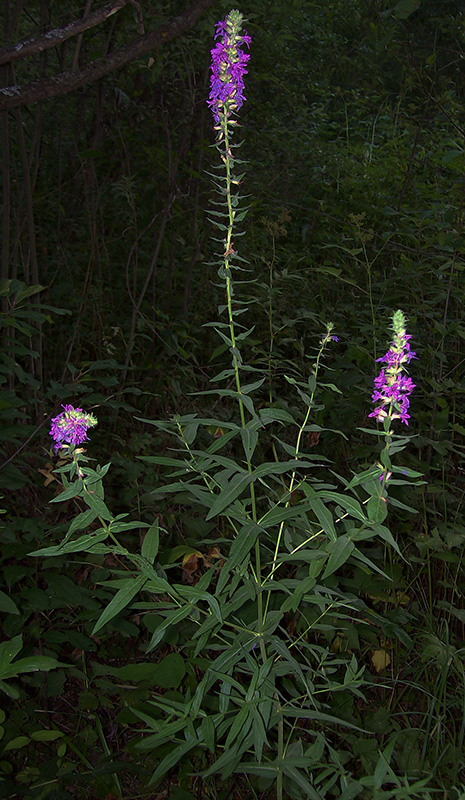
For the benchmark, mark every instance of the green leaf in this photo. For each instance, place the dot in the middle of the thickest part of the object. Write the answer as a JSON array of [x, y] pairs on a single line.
[[299, 778], [46, 735], [83, 544], [17, 743], [386, 534], [193, 595], [410, 473], [10, 691], [9, 649], [28, 291], [300, 555], [121, 599], [279, 513], [83, 520], [364, 477], [235, 487], [267, 770], [168, 673], [376, 509], [171, 760], [208, 730], [164, 461], [323, 514], [352, 506], [339, 551], [227, 761], [248, 388], [397, 504], [72, 491], [269, 415], [171, 619], [294, 600], [97, 505], [151, 542], [249, 442], [29, 664], [119, 527], [142, 671], [259, 730], [404, 8], [7, 606], [239, 728], [242, 544], [5, 286]]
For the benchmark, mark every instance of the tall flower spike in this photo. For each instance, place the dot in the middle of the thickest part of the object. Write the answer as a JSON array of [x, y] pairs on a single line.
[[392, 388], [71, 426], [228, 67]]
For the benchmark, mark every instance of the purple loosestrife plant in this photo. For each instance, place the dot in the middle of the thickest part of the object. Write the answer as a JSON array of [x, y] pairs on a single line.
[[226, 97], [70, 427], [392, 388], [392, 392], [228, 67]]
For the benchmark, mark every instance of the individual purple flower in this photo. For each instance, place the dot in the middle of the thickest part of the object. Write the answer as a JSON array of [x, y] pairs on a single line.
[[71, 426], [392, 388], [328, 336], [228, 66], [385, 474]]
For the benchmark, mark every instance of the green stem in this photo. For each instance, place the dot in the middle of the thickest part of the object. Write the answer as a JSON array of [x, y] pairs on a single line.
[[228, 251], [270, 320], [324, 341], [279, 779]]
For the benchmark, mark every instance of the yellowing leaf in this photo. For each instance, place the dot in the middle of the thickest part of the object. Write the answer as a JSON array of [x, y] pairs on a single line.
[[380, 660], [47, 472]]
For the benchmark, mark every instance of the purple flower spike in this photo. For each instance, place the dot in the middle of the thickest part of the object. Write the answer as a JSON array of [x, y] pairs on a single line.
[[392, 388], [70, 427], [228, 67]]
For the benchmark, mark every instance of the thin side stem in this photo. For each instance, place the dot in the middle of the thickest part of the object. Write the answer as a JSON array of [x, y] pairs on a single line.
[[324, 341]]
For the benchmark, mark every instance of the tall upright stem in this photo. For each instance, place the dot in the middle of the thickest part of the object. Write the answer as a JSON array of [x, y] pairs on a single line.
[[228, 251], [228, 160]]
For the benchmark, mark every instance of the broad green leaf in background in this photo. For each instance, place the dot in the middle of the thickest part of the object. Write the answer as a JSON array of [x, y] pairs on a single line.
[[11, 669], [7, 606], [404, 8]]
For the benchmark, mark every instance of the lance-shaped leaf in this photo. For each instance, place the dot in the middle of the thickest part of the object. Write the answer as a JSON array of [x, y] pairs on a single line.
[[121, 599]]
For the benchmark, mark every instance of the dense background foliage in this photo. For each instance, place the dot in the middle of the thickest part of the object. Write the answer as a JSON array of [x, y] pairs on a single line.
[[354, 130]]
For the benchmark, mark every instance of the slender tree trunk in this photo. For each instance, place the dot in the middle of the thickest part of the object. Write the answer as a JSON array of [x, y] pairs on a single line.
[[6, 185]]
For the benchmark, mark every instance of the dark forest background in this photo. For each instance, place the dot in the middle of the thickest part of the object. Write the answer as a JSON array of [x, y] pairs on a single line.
[[353, 132]]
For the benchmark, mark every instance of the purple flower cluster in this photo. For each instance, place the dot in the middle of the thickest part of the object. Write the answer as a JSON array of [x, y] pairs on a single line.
[[392, 388], [228, 66], [71, 426]]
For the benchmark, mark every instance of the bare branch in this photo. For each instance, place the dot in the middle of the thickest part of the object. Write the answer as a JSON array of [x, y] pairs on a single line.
[[30, 46], [64, 82]]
